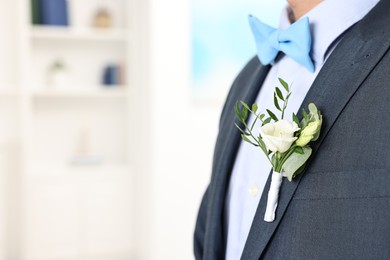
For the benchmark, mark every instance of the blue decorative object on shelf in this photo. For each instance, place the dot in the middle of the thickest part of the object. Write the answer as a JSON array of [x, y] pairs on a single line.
[[54, 12], [111, 75]]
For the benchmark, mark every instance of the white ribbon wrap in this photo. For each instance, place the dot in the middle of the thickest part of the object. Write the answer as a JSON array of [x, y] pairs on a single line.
[[273, 196]]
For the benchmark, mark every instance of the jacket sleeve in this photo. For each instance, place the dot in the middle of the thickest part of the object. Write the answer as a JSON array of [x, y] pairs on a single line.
[[200, 229], [236, 92]]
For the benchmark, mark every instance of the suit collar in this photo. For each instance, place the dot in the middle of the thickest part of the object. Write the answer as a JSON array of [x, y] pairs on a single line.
[[341, 76]]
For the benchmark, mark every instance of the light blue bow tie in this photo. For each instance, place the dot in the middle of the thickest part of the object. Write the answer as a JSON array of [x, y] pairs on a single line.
[[295, 41]]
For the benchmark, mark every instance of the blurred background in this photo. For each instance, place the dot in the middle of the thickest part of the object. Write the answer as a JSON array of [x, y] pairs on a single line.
[[108, 116]]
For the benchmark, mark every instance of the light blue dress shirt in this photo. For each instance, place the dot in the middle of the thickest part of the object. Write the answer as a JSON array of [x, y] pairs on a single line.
[[328, 21]]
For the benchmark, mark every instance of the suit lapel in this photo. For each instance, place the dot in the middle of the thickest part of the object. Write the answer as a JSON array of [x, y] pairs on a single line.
[[341, 76]]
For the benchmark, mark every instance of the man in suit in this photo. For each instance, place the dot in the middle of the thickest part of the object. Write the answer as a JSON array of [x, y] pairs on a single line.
[[339, 207]]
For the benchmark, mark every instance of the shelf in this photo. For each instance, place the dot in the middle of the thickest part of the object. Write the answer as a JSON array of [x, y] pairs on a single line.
[[76, 34], [98, 92], [53, 171], [58, 169]]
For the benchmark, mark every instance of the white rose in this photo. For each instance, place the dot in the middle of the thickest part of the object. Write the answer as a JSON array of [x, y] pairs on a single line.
[[279, 136]]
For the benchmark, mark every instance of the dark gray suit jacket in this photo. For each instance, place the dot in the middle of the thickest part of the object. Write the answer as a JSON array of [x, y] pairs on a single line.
[[339, 208]]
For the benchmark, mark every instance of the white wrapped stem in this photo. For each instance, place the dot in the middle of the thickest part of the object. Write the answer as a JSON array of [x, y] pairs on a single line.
[[273, 196]]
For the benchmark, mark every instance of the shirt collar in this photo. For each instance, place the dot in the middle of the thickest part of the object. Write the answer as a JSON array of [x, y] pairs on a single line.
[[329, 20]]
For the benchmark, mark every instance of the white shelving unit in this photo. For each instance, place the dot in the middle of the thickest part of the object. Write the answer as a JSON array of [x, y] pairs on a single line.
[[45, 33], [97, 92], [67, 151]]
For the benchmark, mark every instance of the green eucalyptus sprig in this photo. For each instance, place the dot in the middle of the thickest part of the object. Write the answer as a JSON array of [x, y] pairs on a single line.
[[285, 143]]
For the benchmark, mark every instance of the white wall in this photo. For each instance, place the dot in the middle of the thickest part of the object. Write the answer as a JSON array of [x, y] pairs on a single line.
[[183, 134]]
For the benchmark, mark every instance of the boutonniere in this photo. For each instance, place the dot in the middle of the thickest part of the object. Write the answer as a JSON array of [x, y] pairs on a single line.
[[285, 143]]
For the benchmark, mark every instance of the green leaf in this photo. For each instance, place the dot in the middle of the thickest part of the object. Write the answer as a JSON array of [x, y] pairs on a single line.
[[305, 121], [284, 84], [313, 109], [266, 121], [298, 150], [295, 161], [245, 105], [276, 103], [237, 110], [305, 116], [299, 171], [272, 115], [246, 139], [317, 135], [253, 124], [262, 145], [288, 96], [295, 119], [279, 93], [244, 114], [241, 130], [254, 108]]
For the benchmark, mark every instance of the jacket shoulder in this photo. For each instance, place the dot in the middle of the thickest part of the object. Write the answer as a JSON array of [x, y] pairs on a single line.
[[241, 85]]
